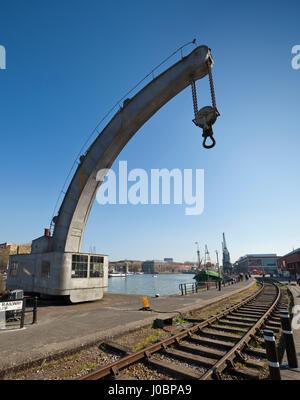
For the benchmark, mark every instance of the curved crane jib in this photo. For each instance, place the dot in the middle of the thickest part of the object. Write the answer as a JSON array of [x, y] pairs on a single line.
[[75, 208]]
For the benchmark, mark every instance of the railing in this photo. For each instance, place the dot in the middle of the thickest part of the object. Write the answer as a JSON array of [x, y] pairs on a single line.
[[26, 300], [186, 288], [207, 285]]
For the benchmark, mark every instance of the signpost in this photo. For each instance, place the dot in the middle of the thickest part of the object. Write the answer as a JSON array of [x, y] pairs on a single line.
[[12, 305]]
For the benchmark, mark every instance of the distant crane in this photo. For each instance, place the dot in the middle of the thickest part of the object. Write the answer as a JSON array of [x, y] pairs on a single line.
[[226, 256], [198, 254]]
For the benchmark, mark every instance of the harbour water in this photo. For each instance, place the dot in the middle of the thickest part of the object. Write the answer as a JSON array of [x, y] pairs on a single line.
[[148, 284]]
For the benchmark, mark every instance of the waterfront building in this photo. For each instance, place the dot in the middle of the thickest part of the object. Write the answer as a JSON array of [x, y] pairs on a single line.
[[125, 266], [155, 267], [262, 263]]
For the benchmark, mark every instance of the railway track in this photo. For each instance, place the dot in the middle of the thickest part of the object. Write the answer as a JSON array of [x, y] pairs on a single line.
[[228, 345]]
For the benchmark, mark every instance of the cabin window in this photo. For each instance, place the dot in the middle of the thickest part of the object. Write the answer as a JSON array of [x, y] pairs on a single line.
[[45, 271], [14, 268], [79, 266], [96, 267]]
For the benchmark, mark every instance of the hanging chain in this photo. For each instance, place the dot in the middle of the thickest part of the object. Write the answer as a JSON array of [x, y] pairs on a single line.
[[194, 94], [212, 88], [212, 91]]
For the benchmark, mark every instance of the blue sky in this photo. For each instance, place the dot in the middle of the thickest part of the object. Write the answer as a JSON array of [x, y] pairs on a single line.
[[68, 62]]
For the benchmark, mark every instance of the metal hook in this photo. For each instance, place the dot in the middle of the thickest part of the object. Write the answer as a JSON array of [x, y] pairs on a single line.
[[208, 133]]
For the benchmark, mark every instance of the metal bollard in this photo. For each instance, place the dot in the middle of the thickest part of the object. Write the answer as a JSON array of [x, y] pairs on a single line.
[[34, 312], [288, 339], [219, 285], [207, 286], [272, 356], [23, 314]]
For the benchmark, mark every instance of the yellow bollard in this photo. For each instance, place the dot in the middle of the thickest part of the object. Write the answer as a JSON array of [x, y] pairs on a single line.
[[145, 304]]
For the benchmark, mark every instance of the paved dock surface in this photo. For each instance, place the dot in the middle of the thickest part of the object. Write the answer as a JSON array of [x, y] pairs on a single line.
[[293, 373], [62, 327]]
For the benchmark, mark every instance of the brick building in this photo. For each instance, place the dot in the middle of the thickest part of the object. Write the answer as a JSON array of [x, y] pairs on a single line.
[[290, 263]]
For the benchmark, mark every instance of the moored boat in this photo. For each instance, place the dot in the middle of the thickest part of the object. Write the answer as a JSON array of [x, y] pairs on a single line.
[[204, 276]]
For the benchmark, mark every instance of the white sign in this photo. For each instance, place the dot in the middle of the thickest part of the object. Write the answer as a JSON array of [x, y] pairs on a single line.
[[11, 305], [2, 320]]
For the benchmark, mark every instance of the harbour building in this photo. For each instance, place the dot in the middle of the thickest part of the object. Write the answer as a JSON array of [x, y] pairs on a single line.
[[257, 263]]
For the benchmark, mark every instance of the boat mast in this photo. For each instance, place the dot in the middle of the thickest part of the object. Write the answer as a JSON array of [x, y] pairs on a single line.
[[198, 254], [207, 261], [217, 253]]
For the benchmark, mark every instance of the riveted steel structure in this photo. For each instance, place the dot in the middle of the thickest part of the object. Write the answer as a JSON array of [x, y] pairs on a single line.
[[65, 243]]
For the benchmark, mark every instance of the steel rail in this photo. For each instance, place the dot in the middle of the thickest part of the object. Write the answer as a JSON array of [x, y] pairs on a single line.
[[114, 367], [231, 354]]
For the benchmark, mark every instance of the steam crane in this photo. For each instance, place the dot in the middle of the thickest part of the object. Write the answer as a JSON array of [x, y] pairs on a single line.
[[58, 253]]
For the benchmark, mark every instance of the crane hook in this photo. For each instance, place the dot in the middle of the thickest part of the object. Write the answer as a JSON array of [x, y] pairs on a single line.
[[208, 133], [207, 116]]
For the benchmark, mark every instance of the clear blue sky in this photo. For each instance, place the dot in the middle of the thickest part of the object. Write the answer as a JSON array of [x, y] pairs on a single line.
[[69, 61]]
